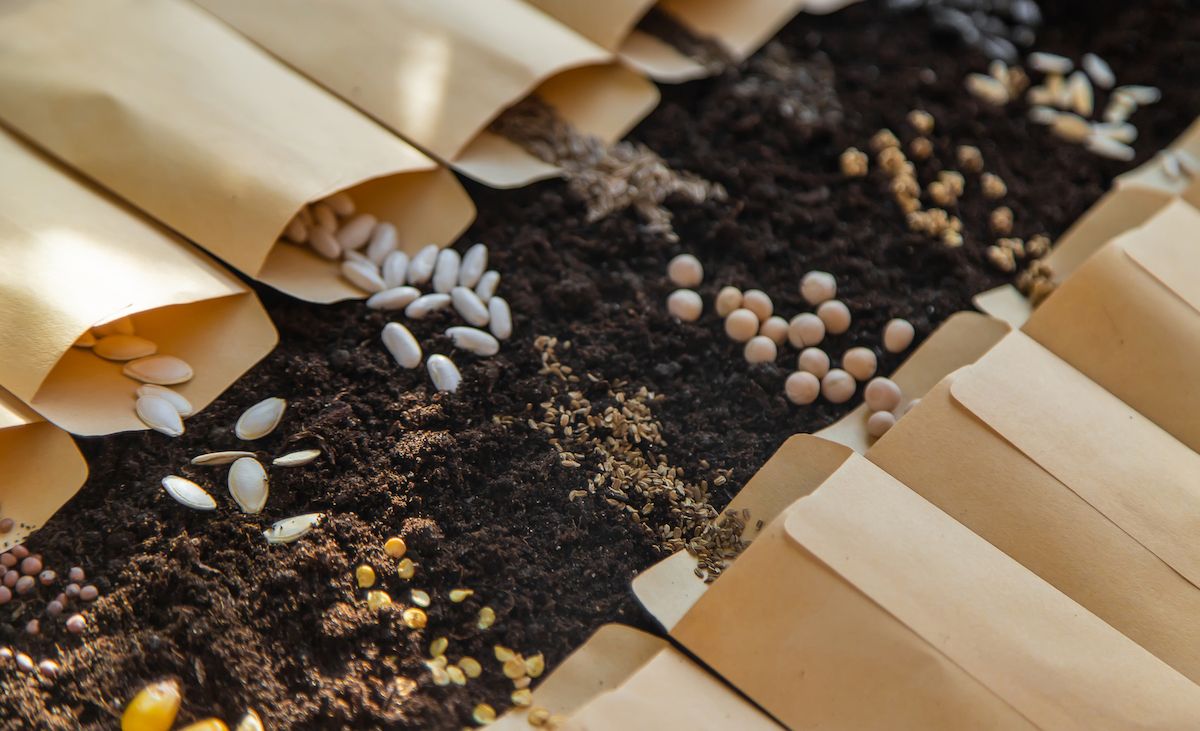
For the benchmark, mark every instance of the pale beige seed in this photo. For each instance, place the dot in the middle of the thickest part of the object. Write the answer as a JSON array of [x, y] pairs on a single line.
[[860, 362], [395, 547], [817, 287], [1142, 95], [406, 568], [728, 300], [297, 459], [159, 414], [1071, 127], [160, 370], [325, 217], [414, 618], [920, 148], [898, 335], [460, 595], [522, 698], [879, 423], [324, 243], [538, 717], [250, 722], [457, 676], [685, 304], [837, 386], [445, 271], [420, 598], [487, 617], [685, 271], [535, 666], [399, 341], [377, 600], [487, 285], [1049, 63], [835, 315], [470, 666], [760, 349], [1002, 258], [437, 648], [123, 347], [814, 361], [805, 330], [970, 158], [341, 203], [854, 163], [1120, 107], [188, 493], [483, 714], [357, 231], [987, 89], [775, 328], [1119, 131], [921, 121], [365, 576], [503, 654], [882, 394], [296, 231], [758, 302], [292, 529], [1002, 220], [741, 325], [993, 187], [213, 459], [882, 140], [1040, 114], [260, 419], [500, 318], [364, 275], [248, 485], [802, 387], [176, 399], [514, 668], [440, 675]]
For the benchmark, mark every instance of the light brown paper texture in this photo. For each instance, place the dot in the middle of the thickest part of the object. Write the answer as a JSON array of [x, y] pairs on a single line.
[[1085, 456], [73, 257], [668, 589], [1128, 319], [42, 469], [190, 122], [438, 73], [863, 606], [1004, 303]]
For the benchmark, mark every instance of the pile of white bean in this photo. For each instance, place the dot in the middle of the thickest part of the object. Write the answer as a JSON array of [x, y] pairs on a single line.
[[750, 318]]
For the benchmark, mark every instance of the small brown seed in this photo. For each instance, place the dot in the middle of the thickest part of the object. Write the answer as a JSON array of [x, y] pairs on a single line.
[[47, 578], [76, 623], [728, 300], [837, 386], [970, 158], [33, 627], [7, 560], [993, 187], [457, 676], [25, 584], [854, 163], [6, 525], [920, 148], [882, 140], [31, 565], [1002, 258], [1002, 221], [921, 121]]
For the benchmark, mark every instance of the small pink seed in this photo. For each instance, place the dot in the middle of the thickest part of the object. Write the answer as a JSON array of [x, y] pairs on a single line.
[[47, 577], [55, 608], [31, 565], [10, 578], [25, 584], [20, 551], [48, 668], [72, 590], [76, 623], [76, 574], [24, 662], [5, 653], [5, 595], [34, 627], [88, 593], [61, 599], [7, 560]]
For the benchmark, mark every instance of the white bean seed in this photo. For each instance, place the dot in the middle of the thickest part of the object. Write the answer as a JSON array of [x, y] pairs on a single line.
[[814, 361], [468, 304], [474, 263], [422, 306], [500, 318], [159, 414], [741, 325], [162, 370], [760, 349], [1071, 127], [324, 243], [837, 386], [364, 275], [758, 302], [806, 329], [988, 89], [76, 624], [860, 362], [728, 300], [445, 271], [1119, 131], [836, 316], [420, 269], [1110, 148], [357, 231], [775, 328], [444, 373], [395, 269], [248, 485], [182, 405], [396, 298], [260, 419], [1080, 93], [123, 347], [351, 255], [1099, 70], [879, 423], [1042, 115], [487, 285], [1049, 63], [817, 287], [882, 394], [685, 271], [685, 304], [296, 232], [1142, 95], [897, 335], [384, 241], [341, 203], [325, 217], [402, 345], [473, 340], [802, 387]]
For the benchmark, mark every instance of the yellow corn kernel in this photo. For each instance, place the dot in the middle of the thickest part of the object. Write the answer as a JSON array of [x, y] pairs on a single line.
[[406, 568], [420, 598], [437, 648], [250, 722], [414, 618], [538, 716], [365, 576], [471, 667], [377, 599], [503, 654], [484, 714], [208, 724], [395, 547], [487, 616], [153, 708], [535, 665], [456, 675], [514, 668], [522, 697]]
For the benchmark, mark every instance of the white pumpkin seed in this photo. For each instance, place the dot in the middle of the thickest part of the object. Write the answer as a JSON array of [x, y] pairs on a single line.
[[1042, 115], [324, 243], [85, 340], [364, 275], [1079, 92], [123, 347], [420, 269], [357, 231], [444, 373], [384, 240], [297, 459], [445, 271], [1170, 165], [987, 88], [1143, 95], [1108, 147], [351, 255], [260, 419], [402, 345], [396, 298], [487, 285], [500, 318], [1099, 70], [213, 459], [469, 306], [422, 306], [120, 326], [292, 529], [163, 370], [188, 493], [1071, 127], [181, 404], [474, 262], [1049, 63], [1188, 162], [159, 414], [475, 341], [1119, 131], [395, 269], [248, 484]]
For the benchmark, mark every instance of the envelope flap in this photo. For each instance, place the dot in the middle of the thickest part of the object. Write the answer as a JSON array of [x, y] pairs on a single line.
[[1168, 246], [1122, 464], [1121, 209], [1050, 659]]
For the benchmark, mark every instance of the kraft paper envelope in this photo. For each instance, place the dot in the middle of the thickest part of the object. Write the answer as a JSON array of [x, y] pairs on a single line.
[[184, 118], [1004, 303], [1071, 483], [863, 606], [42, 469], [438, 73], [623, 679], [669, 588], [744, 25], [1129, 319], [73, 257]]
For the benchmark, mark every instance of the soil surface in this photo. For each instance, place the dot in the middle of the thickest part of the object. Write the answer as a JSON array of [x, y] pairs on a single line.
[[485, 503]]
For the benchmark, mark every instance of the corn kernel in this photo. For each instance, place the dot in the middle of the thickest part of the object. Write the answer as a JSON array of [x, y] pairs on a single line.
[[555, 722], [522, 697], [534, 666], [503, 654], [377, 599], [471, 667], [487, 616], [459, 595], [484, 714], [538, 716], [438, 647], [414, 618], [456, 675], [395, 547], [440, 675], [523, 682], [250, 722], [406, 568], [208, 724], [420, 598], [514, 668], [365, 575], [153, 708]]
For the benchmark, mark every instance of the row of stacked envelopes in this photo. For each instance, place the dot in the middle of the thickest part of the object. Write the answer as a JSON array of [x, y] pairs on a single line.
[[149, 144], [1021, 551]]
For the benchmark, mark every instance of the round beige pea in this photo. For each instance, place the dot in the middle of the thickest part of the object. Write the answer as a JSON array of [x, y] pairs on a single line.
[[860, 362], [817, 287], [760, 349], [879, 423], [758, 302], [802, 387], [728, 300], [775, 328], [685, 271], [806, 329], [814, 361], [836, 316], [685, 304], [897, 335], [882, 394], [837, 386], [741, 325]]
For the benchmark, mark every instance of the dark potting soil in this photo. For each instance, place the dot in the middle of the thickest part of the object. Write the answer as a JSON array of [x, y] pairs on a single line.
[[202, 598]]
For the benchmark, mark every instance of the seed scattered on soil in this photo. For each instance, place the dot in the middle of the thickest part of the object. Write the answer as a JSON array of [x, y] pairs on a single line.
[[443, 372], [457, 676], [423, 306], [260, 419], [838, 386], [76, 574], [760, 349], [685, 304], [514, 667], [921, 121], [248, 484], [54, 608], [395, 547], [297, 459], [501, 318], [483, 714], [420, 598], [406, 568], [806, 330], [7, 560], [364, 275], [728, 300], [470, 667], [213, 459], [882, 394], [460, 595], [414, 618], [970, 159], [153, 708], [987, 89], [445, 271], [741, 325], [89, 593], [817, 287], [438, 647], [25, 663], [181, 404], [487, 617], [522, 698], [48, 669], [292, 529], [854, 163], [400, 342], [685, 271], [159, 414], [420, 269], [1110, 148], [879, 423], [860, 362], [504, 654], [76, 623], [758, 302], [898, 335], [1142, 95], [123, 347], [473, 341], [25, 584], [775, 328], [1049, 63], [250, 722], [469, 306], [814, 361], [365, 576], [835, 315], [186, 493]]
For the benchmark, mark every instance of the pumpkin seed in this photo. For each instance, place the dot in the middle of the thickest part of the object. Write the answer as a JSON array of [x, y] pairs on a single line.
[[85, 340], [161, 370], [260, 419], [444, 373], [248, 484], [159, 414], [474, 262], [470, 666], [406, 568], [457, 676], [123, 347], [297, 459], [414, 618], [292, 529], [188, 493], [212, 459], [181, 404], [402, 345]]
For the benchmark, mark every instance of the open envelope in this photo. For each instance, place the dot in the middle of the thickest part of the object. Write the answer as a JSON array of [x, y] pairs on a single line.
[[1070, 482], [184, 118], [623, 679], [1129, 319], [438, 73], [669, 588], [73, 257], [863, 606], [42, 469]]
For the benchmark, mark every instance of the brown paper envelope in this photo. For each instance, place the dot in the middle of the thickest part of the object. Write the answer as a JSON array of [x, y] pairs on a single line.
[[606, 24], [744, 25], [669, 588], [863, 606], [1004, 303], [74, 256], [184, 118], [1131, 330], [42, 469], [957, 462], [654, 57]]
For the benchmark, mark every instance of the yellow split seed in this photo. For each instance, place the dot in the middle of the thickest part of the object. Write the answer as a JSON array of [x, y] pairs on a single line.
[[153, 708], [459, 595], [420, 598], [471, 667], [377, 599], [414, 618], [520, 683], [538, 716], [208, 724], [365, 576], [437, 648], [395, 547], [484, 714], [503, 654], [406, 568], [514, 668], [487, 616], [522, 697], [456, 675], [534, 666]]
